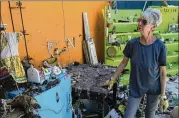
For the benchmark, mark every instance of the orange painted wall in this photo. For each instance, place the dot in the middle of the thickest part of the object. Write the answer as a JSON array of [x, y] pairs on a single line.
[[44, 22]]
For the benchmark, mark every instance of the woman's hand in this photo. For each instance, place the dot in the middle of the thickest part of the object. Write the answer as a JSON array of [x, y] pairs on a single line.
[[110, 82], [163, 105]]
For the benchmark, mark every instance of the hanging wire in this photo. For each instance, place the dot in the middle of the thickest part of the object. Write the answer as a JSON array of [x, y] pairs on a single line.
[[64, 27]]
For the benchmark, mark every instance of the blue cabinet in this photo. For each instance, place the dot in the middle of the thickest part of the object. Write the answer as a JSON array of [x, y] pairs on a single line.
[[56, 102]]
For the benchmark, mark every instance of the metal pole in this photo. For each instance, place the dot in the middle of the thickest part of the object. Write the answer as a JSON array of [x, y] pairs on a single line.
[[23, 31], [11, 16], [0, 13], [0, 32], [144, 5]]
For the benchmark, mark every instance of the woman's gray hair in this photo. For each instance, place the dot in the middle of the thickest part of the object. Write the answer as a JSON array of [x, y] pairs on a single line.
[[153, 16]]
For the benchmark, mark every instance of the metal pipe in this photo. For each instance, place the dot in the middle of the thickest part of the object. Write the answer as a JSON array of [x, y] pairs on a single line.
[[11, 16], [144, 5], [20, 6], [0, 32], [0, 13]]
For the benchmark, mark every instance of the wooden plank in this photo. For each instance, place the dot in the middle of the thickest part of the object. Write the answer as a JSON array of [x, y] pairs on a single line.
[[91, 50]]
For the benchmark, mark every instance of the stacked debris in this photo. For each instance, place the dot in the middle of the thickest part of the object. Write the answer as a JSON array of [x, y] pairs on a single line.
[[172, 91], [23, 105], [90, 77]]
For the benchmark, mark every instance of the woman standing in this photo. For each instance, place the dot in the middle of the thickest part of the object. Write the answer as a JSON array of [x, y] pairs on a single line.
[[147, 56]]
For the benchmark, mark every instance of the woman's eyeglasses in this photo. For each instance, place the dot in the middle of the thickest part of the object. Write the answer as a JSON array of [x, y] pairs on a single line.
[[144, 22]]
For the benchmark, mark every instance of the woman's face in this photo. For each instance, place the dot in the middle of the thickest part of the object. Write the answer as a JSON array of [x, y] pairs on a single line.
[[144, 27]]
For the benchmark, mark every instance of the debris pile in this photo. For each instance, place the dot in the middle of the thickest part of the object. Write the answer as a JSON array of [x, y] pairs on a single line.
[[23, 105], [90, 77]]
